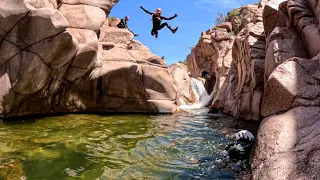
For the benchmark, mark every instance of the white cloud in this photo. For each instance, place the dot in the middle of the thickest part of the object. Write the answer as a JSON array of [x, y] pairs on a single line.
[[212, 5]]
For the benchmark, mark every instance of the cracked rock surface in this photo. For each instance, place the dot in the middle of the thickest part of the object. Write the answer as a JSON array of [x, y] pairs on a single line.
[[287, 144], [52, 60], [266, 61], [236, 61]]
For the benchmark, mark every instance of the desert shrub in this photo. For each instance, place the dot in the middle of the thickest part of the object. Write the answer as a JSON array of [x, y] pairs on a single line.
[[111, 20], [220, 18]]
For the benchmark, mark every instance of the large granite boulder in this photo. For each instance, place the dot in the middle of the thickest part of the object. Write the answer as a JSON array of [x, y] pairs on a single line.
[[52, 60], [182, 83], [287, 142]]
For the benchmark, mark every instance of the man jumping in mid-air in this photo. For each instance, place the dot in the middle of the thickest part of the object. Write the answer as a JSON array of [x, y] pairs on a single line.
[[123, 24], [156, 19]]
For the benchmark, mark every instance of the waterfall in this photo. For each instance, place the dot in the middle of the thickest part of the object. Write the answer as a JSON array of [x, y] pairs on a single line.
[[201, 95]]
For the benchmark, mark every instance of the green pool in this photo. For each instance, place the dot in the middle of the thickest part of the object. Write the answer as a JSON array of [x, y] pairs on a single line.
[[98, 147]]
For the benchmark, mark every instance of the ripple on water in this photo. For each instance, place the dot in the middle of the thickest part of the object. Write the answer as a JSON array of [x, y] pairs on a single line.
[[182, 146]]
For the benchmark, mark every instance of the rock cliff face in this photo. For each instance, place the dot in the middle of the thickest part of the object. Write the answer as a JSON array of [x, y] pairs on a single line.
[[269, 69], [182, 83], [52, 60], [237, 61], [287, 144]]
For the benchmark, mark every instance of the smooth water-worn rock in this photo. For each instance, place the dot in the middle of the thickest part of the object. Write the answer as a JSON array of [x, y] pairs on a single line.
[[87, 53], [287, 145], [52, 61], [83, 16], [140, 80], [103, 4], [119, 86], [182, 83], [287, 141]]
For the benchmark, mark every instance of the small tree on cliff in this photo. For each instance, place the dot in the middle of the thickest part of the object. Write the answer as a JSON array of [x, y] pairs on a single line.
[[183, 62], [111, 20], [220, 18]]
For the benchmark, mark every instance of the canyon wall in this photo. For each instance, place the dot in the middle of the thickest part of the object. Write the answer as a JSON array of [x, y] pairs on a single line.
[[265, 58], [287, 144], [62, 56], [234, 53]]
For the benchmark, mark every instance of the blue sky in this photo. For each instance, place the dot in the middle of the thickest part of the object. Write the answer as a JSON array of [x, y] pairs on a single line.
[[194, 17]]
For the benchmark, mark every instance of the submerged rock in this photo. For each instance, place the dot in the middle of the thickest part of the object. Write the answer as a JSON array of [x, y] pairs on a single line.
[[12, 170]]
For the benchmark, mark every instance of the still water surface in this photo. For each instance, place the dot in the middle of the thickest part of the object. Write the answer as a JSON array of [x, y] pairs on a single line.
[[99, 147]]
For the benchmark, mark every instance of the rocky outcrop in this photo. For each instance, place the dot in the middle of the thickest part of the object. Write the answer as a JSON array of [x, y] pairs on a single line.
[[119, 44], [103, 4], [182, 83], [287, 141], [248, 53], [237, 61], [52, 60], [287, 146], [271, 74], [212, 53], [130, 80], [83, 16]]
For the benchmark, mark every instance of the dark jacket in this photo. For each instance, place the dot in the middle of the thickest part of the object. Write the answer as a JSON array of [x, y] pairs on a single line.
[[123, 24], [156, 19], [240, 150]]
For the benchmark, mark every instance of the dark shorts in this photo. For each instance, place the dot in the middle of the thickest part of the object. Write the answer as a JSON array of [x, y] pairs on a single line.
[[154, 31], [120, 26]]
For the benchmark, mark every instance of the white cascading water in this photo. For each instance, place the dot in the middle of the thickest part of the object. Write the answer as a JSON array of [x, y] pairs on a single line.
[[201, 95]]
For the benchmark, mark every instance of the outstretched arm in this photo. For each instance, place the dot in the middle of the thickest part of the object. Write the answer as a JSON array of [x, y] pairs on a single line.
[[165, 18], [146, 10]]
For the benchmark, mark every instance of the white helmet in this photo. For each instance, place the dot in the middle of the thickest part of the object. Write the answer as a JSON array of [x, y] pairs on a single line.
[[245, 134]]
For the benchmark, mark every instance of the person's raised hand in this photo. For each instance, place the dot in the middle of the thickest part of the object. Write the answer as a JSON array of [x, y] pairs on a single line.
[[176, 15], [141, 7]]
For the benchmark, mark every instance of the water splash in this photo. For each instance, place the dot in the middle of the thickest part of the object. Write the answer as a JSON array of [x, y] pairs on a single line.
[[201, 95]]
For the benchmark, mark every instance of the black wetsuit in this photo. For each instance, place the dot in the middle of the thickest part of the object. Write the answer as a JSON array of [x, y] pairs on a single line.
[[240, 150], [204, 74], [123, 24], [156, 20]]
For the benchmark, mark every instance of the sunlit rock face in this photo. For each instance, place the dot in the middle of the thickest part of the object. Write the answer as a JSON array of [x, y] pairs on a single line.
[[234, 52], [58, 56], [287, 142], [266, 62], [182, 83]]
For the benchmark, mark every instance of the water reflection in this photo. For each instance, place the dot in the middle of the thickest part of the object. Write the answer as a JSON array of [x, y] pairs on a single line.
[[181, 146]]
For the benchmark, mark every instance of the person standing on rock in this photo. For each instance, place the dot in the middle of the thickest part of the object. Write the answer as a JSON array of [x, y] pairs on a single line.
[[156, 20], [123, 24]]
